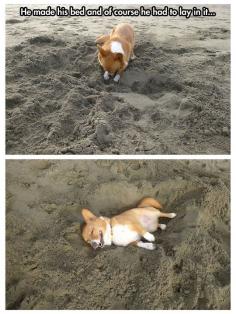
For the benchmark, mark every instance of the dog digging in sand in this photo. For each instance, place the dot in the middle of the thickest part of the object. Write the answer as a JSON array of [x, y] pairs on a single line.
[[115, 50], [130, 227]]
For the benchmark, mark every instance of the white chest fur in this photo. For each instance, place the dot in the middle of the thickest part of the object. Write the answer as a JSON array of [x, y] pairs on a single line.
[[107, 233], [123, 235]]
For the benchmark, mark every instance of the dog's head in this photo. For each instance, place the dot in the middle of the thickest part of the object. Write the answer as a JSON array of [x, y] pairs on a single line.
[[94, 229], [110, 62]]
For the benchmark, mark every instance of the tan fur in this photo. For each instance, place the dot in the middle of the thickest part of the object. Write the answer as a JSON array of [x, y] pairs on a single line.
[[93, 224], [116, 62], [137, 222], [102, 39], [149, 202]]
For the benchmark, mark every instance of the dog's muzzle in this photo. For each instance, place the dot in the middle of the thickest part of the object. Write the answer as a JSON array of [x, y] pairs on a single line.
[[98, 243]]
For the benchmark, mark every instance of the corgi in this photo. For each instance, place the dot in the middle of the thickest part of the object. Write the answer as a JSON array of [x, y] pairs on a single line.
[[130, 227], [115, 50]]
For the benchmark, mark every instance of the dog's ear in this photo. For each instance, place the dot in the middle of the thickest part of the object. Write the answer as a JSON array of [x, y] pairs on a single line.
[[119, 56], [102, 51], [102, 39], [87, 214]]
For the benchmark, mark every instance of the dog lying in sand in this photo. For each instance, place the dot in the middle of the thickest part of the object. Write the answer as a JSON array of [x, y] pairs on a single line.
[[115, 50], [127, 228]]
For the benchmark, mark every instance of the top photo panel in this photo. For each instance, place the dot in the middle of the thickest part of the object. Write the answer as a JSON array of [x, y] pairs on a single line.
[[118, 79]]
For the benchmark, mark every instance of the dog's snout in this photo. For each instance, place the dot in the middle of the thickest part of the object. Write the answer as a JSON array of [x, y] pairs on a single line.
[[94, 244]]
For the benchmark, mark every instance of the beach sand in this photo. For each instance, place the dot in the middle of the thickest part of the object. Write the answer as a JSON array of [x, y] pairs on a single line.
[[49, 266], [173, 99]]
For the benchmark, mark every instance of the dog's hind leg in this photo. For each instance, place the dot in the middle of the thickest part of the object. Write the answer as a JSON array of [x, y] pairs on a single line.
[[132, 56], [166, 215], [162, 226]]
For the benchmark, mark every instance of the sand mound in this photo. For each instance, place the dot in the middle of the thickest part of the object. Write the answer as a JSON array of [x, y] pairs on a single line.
[[50, 267], [174, 98]]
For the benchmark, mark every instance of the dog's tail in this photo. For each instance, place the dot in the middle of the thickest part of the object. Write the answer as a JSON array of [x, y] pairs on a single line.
[[149, 202]]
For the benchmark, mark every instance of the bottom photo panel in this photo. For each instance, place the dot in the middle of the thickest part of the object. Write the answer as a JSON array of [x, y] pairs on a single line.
[[118, 234]]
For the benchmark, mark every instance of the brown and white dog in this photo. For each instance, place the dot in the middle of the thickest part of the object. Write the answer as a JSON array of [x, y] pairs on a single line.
[[115, 50], [127, 228]]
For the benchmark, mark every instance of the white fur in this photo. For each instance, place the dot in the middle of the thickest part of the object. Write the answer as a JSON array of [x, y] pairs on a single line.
[[148, 236], [107, 235], [146, 245], [106, 76], [133, 57], [117, 78], [162, 226], [123, 235], [173, 215], [96, 241], [116, 47]]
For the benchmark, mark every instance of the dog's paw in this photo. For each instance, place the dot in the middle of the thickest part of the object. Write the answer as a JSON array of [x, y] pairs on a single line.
[[147, 246], [106, 76], [117, 78], [162, 226], [150, 246], [148, 236], [173, 215]]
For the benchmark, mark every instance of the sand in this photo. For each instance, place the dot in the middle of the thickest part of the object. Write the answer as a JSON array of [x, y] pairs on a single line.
[[173, 99], [50, 267]]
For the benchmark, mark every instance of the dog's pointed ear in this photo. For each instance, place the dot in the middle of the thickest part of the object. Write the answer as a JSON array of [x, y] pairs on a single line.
[[87, 214], [102, 39], [102, 51], [119, 56]]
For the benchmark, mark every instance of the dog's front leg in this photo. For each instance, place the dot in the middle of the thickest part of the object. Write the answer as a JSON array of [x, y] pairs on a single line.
[[118, 75], [149, 237], [117, 78], [106, 75]]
